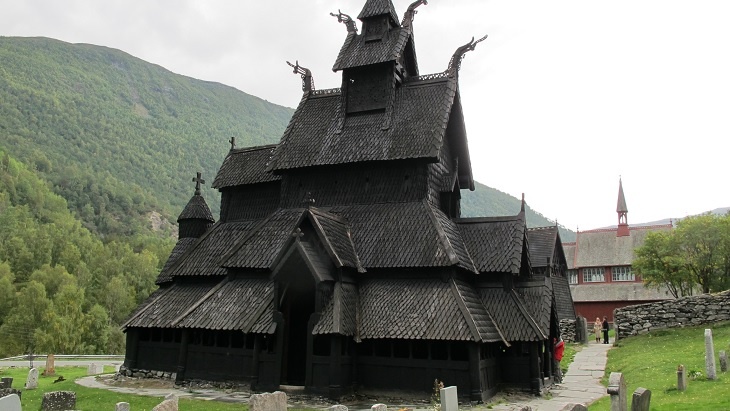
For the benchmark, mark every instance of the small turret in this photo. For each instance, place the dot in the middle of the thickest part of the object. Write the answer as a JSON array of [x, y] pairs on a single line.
[[622, 210], [196, 217]]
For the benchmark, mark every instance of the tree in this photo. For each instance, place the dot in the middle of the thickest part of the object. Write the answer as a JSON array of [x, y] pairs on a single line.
[[658, 263]]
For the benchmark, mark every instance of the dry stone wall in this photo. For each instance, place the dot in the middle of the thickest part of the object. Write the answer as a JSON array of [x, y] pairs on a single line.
[[685, 311]]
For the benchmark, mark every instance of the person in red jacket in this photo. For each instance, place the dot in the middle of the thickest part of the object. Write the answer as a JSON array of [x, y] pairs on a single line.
[[558, 349]]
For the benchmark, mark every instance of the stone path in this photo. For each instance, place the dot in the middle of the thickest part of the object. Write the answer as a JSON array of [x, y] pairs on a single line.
[[581, 385]]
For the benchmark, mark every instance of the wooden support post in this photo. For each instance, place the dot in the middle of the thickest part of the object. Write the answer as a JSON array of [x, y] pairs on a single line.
[[475, 380], [255, 358], [335, 388], [182, 358], [130, 360]]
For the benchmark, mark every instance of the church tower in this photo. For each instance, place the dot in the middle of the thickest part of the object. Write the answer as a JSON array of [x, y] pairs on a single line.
[[623, 224]]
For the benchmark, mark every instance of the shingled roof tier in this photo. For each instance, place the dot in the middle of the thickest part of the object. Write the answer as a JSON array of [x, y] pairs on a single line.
[[196, 208], [340, 314], [163, 308], [425, 309], [245, 166], [542, 242], [510, 314], [180, 247], [495, 243], [419, 118], [563, 298], [374, 8], [357, 52], [537, 296]]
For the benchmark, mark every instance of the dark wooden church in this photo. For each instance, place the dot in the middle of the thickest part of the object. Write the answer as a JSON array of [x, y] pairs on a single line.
[[340, 261]]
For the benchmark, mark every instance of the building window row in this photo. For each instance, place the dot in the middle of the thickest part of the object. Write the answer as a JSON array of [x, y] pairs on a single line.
[[622, 273], [594, 275]]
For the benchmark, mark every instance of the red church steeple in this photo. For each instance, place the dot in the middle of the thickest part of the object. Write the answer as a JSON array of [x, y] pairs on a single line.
[[622, 210]]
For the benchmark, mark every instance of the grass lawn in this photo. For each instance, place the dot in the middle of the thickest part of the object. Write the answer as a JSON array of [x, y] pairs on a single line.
[[650, 361], [89, 399]]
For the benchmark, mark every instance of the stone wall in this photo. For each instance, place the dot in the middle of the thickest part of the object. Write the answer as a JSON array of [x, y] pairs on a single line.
[[567, 330], [685, 311]]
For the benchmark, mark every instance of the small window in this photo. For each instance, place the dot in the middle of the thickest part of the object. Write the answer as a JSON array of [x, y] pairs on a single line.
[[622, 273], [321, 345], [401, 349], [420, 350], [440, 350], [572, 276], [594, 275]]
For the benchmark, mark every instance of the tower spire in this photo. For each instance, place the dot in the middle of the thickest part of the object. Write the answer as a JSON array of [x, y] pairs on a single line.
[[622, 211]]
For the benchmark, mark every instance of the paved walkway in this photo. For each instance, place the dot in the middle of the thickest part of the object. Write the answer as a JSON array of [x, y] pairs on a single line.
[[581, 385]]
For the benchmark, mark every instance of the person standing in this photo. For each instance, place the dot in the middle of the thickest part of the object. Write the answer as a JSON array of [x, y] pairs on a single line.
[[597, 327], [558, 350], [605, 330]]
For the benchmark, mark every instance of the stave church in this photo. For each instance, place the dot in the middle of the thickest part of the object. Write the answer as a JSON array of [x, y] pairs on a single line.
[[340, 261]]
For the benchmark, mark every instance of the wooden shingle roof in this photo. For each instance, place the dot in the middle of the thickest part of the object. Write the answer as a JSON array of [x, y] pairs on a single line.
[[233, 305], [511, 315], [602, 248], [340, 314], [418, 309], [420, 115], [357, 52], [161, 309], [542, 243], [180, 247], [563, 298], [245, 166], [404, 235], [494, 243], [537, 296], [378, 7], [196, 208]]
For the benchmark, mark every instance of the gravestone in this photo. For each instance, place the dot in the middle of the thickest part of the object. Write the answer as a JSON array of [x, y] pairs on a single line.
[[709, 355], [6, 382], [379, 407], [641, 399], [10, 403], [449, 399], [723, 361], [268, 401], [681, 378], [617, 391], [31, 382], [122, 406], [94, 369], [166, 405], [58, 401], [337, 407], [50, 365], [574, 407], [9, 391]]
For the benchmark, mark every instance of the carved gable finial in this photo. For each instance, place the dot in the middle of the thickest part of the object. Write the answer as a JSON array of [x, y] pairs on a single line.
[[344, 18], [308, 199], [411, 12], [307, 80], [198, 181], [455, 62], [233, 142]]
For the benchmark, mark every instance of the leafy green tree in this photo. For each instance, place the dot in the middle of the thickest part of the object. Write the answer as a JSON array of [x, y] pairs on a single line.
[[17, 332], [659, 264], [7, 290]]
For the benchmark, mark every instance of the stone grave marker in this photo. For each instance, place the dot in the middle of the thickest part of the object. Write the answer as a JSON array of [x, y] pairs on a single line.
[[10, 403], [58, 401], [268, 401], [50, 365], [379, 407], [6, 382], [9, 391], [337, 407], [641, 399], [723, 361], [617, 390], [122, 406], [166, 405], [574, 407], [449, 399], [709, 356], [31, 382], [94, 369], [681, 378]]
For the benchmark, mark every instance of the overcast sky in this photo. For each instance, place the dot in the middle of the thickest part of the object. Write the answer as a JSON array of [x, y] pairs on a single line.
[[561, 99]]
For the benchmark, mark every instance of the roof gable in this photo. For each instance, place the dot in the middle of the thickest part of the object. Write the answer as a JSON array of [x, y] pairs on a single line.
[[602, 248], [245, 166], [496, 244], [417, 128]]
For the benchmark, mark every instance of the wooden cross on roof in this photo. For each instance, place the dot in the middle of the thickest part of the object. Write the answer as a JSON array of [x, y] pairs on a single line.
[[308, 199], [233, 142], [198, 181]]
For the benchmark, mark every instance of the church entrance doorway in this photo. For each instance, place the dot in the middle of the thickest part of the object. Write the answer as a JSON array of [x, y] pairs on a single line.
[[297, 304]]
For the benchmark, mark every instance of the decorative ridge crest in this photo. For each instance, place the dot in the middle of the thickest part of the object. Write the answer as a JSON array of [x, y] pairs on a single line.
[[411, 12], [344, 18], [326, 91], [307, 80], [455, 62]]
